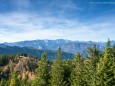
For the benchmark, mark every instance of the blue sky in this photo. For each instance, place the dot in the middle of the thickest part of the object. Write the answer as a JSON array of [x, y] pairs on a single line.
[[82, 20]]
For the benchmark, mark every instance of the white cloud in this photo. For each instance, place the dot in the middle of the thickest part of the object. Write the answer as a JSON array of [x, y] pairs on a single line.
[[18, 27]]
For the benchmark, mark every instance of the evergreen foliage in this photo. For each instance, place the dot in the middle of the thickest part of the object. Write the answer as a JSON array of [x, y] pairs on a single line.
[[98, 69], [57, 71], [89, 72], [42, 72], [14, 80], [77, 78], [106, 68]]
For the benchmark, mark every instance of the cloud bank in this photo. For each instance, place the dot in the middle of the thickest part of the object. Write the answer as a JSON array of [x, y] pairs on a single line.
[[54, 20]]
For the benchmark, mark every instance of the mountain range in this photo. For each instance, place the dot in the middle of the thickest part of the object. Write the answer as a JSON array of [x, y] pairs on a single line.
[[67, 46], [4, 49]]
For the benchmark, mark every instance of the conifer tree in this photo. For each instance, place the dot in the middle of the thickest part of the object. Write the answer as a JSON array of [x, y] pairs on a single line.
[[90, 65], [57, 72], [94, 54], [106, 69], [2, 82], [67, 66], [113, 60], [42, 72], [89, 72], [25, 82], [77, 78], [14, 80]]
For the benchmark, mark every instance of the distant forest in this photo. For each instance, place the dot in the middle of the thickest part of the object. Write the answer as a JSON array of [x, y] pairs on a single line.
[[97, 69]]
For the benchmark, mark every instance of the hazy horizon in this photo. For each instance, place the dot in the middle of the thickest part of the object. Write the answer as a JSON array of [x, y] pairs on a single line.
[[57, 19], [57, 39]]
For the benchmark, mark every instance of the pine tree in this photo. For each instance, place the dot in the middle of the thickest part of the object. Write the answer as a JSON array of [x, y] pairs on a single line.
[[89, 72], [94, 54], [14, 80], [113, 60], [67, 66], [2, 82], [42, 72], [106, 68], [90, 65], [57, 72], [77, 78]]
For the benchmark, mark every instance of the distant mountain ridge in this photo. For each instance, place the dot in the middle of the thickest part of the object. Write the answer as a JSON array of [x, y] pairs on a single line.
[[4, 49], [66, 45]]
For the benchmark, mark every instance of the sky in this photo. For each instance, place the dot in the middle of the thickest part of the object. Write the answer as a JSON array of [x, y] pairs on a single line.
[[83, 20]]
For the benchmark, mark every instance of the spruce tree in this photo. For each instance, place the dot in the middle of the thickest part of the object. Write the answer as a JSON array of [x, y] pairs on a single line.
[[42, 72], [67, 66], [90, 65], [89, 72], [106, 68], [77, 78], [2, 82], [57, 71], [14, 79], [113, 61], [94, 54]]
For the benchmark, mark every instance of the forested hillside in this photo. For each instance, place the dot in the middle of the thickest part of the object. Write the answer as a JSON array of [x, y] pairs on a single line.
[[4, 49], [97, 69]]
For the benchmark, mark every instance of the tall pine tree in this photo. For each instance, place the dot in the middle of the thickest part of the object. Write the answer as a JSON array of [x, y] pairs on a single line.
[[90, 65], [89, 72], [42, 72], [94, 54], [77, 78], [14, 80], [67, 66], [106, 69], [57, 71]]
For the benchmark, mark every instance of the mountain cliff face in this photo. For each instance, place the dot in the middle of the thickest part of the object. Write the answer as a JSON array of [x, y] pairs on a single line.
[[25, 66], [66, 45]]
